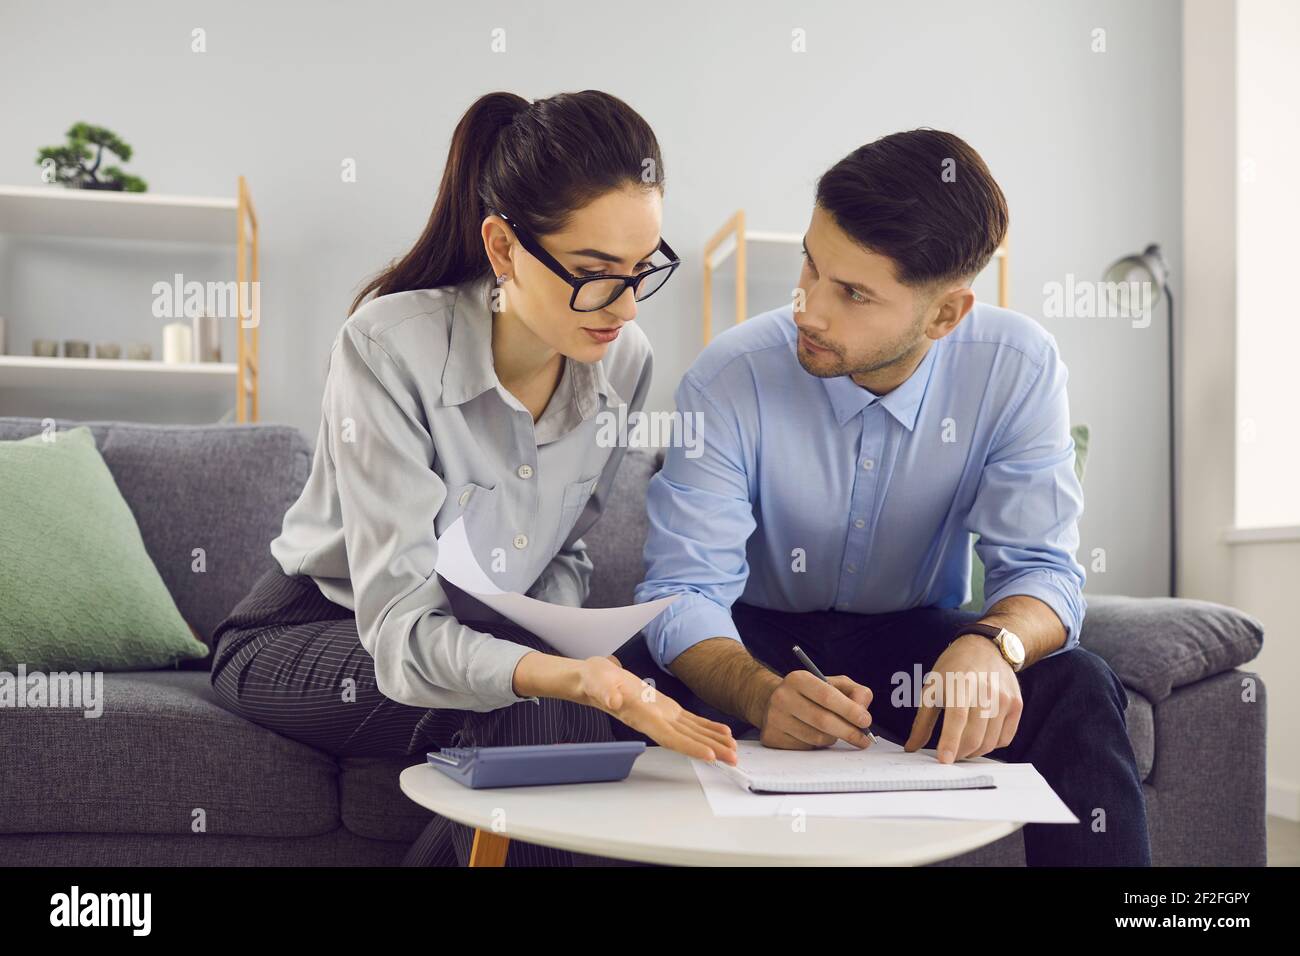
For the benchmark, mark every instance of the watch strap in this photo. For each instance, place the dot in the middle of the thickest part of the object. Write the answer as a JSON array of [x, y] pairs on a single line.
[[987, 630], [992, 633]]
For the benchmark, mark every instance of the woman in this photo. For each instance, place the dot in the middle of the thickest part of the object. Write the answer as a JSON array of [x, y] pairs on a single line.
[[470, 386]]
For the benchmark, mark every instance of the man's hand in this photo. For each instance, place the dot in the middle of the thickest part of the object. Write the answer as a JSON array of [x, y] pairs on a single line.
[[798, 712], [979, 696], [804, 713]]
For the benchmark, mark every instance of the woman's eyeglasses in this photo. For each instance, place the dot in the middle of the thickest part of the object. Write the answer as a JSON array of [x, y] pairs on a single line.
[[593, 293]]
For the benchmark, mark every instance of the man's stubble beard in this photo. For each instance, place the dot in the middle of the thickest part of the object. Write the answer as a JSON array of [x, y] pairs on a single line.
[[897, 355]]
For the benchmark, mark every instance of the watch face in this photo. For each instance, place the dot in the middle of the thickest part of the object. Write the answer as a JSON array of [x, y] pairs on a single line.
[[1013, 646]]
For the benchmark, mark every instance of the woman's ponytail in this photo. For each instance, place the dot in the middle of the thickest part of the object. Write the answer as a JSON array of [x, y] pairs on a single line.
[[450, 250]]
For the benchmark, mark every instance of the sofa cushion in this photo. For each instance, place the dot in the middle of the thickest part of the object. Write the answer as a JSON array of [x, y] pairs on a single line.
[[220, 488], [371, 801], [161, 749], [77, 587], [1155, 645]]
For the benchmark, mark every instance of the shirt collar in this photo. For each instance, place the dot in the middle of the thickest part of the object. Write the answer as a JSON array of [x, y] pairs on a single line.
[[848, 398], [469, 371]]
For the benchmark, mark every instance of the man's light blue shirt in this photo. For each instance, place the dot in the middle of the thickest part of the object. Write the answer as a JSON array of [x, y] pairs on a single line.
[[805, 494]]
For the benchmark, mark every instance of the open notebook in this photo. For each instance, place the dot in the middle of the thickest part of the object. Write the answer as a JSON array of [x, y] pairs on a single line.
[[845, 769]]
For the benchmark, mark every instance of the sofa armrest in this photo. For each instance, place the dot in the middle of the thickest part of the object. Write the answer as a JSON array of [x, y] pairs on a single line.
[[1157, 644]]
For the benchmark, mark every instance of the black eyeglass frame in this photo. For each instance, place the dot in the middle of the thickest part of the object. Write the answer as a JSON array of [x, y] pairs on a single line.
[[577, 282]]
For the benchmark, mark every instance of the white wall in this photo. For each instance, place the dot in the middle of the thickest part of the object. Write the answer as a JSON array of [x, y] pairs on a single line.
[[1085, 144], [1256, 575]]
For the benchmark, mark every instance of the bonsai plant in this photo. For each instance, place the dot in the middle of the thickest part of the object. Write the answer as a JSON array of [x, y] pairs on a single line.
[[70, 161]]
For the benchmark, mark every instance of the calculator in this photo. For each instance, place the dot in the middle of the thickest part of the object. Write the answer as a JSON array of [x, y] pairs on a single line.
[[538, 764]]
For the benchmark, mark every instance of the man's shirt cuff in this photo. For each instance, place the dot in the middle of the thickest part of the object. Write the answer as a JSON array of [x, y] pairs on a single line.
[[690, 619], [1064, 599]]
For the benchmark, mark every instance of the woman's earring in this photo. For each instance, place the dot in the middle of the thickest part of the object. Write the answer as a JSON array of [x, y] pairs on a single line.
[[501, 278]]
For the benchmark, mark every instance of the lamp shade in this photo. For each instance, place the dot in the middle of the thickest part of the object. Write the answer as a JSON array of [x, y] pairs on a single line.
[[1147, 266]]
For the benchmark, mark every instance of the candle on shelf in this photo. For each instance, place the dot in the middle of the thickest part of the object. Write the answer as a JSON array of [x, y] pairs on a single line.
[[207, 338], [178, 343]]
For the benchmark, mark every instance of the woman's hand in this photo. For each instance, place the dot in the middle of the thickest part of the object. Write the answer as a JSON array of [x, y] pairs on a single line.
[[604, 684]]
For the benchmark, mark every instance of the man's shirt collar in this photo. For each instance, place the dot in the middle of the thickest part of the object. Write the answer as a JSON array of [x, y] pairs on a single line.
[[848, 398]]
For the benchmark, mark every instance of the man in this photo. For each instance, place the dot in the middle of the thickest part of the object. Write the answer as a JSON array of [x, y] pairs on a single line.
[[851, 444]]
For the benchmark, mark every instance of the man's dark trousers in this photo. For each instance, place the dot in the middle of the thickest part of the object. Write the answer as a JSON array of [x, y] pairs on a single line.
[[1072, 727]]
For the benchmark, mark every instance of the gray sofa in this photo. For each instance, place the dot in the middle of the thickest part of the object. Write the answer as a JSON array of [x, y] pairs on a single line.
[[123, 789]]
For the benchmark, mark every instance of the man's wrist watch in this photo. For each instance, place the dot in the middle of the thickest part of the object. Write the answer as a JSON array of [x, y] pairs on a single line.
[[1008, 643]]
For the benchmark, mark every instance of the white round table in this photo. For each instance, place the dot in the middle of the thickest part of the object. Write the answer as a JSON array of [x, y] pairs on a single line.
[[659, 814]]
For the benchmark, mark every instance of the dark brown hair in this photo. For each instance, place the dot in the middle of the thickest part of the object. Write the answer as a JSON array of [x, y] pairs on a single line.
[[537, 163], [893, 197]]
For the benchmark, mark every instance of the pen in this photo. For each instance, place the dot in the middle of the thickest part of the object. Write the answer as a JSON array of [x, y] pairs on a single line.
[[812, 668]]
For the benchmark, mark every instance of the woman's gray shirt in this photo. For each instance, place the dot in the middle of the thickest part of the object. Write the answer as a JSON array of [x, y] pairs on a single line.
[[415, 432]]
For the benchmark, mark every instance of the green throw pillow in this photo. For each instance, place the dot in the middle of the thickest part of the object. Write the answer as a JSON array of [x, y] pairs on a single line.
[[78, 591], [1080, 434]]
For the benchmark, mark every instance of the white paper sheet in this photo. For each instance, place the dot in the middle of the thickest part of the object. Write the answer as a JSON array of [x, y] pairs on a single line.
[[573, 631], [773, 769], [1021, 794]]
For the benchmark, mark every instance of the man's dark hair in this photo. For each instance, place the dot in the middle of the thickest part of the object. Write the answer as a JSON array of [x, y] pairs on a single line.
[[922, 198]]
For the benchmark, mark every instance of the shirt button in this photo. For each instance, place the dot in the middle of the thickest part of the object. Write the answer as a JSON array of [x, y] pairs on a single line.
[[851, 569], [524, 471], [859, 523], [464, 497], [868, 464], [521, 541]]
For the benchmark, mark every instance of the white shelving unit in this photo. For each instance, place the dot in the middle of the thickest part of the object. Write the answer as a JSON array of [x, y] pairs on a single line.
[[94, 214], [196, 378]]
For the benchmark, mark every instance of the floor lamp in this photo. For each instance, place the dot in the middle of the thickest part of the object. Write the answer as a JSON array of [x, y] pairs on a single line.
[[1150, 266]]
